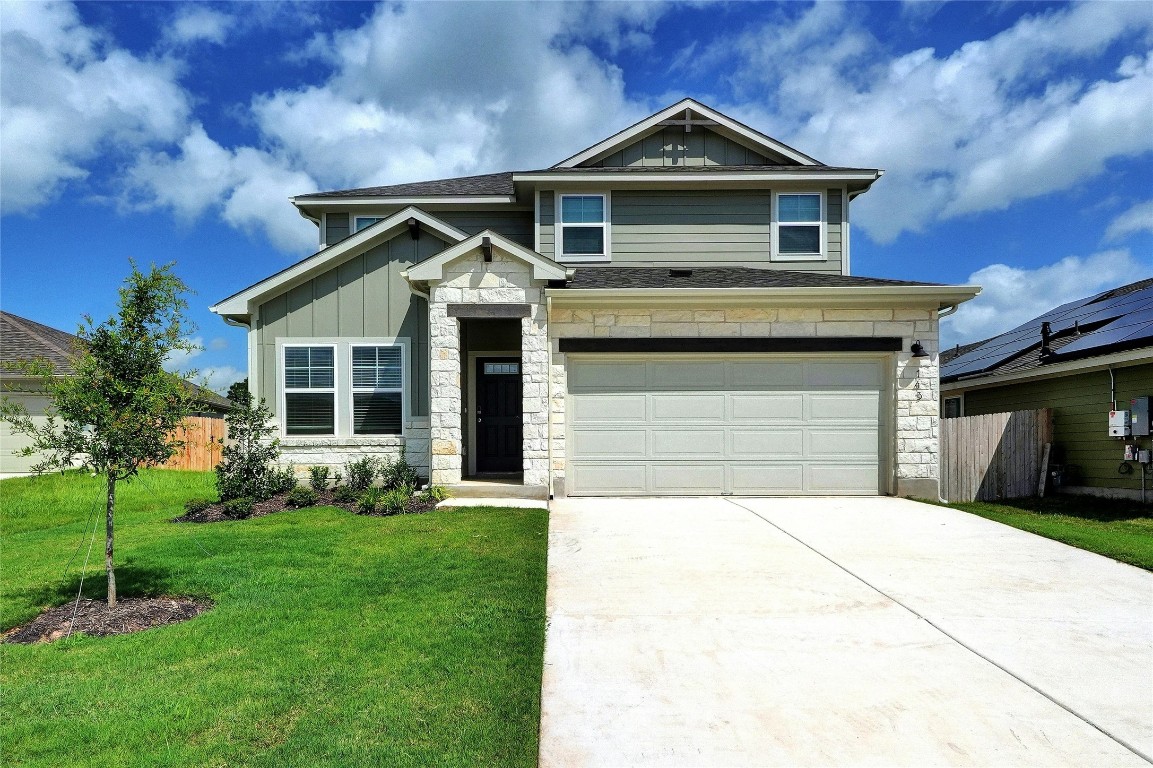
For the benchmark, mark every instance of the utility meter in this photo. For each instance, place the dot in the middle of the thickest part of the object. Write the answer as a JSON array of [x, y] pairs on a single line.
[[1119, 425]]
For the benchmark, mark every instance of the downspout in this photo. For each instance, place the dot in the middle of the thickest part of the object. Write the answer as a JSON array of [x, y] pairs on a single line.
[[947, 311]]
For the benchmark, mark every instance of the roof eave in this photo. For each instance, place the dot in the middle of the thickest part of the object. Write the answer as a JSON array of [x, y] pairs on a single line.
[[1056, 369]]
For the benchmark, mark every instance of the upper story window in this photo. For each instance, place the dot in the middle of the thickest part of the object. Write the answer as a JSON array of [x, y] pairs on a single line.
[[365, 221], [310, 390], [799, 226], [583, 224]]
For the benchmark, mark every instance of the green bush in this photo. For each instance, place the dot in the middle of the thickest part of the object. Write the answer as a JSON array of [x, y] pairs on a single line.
[[342, 494], [282, 480], [238, 508], [398, 472], [396, 500], [302, 496], [318, 478], [369, 500], [360, 473], [197, 505], [247, 464], [433, 494]]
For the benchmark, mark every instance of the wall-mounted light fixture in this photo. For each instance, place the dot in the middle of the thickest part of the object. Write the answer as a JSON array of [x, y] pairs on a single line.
[[918, 350]]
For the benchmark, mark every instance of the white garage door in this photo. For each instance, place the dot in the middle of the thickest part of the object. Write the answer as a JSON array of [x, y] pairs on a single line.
[[748, 425]]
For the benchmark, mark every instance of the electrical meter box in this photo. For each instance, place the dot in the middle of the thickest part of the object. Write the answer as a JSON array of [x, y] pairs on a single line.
[[1139, 415], [1119, 425]]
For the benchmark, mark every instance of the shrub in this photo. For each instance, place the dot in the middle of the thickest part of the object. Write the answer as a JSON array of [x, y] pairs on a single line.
[[282, 480], [396, 500], [238, 508], [342, 494], [246, 467], [318, 478], [360, 473], [398, 472], [433, 494], [302, 496], [369, 500], [193, 506]]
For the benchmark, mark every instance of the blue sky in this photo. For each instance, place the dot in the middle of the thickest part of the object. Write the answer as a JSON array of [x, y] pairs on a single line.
[[1017, 138]]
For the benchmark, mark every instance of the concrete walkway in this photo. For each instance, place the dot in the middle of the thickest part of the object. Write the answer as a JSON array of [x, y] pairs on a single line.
[[715, 632]]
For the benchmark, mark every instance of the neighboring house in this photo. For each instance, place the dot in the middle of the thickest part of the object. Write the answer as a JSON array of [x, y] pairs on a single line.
[[669, 311], [1098, 355], [23, 340]]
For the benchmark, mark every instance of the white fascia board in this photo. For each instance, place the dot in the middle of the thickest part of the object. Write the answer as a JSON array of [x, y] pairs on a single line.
[[595, 179], [432, 269], [1052, 370], [630, 135], [362, 202], [240, 304], [931, 296]]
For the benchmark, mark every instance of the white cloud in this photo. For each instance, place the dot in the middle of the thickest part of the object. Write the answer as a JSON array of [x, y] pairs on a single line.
[[1011, 296], [178, 359], [198, 23], [218, 343], [994, 122], [1137, 219], [68, 97], [218, 378]]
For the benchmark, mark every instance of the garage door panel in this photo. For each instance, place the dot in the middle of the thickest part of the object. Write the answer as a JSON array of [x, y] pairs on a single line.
[[609, 443], [767, 479], [841, 477], [687, 443], [844, 375], [765, 374], [608, 479], [688, 478], [842, 406], [688, 407], [860, 443], [618, 376], [782, 407], [608, 407], [766, 443], [687, 375]]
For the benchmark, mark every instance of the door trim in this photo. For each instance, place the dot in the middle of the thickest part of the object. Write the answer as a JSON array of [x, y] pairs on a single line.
[[470, 417]]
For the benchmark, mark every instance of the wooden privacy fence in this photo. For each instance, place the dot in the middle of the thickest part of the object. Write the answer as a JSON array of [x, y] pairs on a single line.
[[203, 440], [995, 456]]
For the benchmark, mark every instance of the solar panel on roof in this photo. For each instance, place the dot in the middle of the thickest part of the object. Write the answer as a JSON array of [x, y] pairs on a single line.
[[1133, 327]]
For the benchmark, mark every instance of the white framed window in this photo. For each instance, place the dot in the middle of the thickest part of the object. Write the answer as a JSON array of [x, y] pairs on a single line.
[[310, 389], [798, 224], [360, 222], [377, 389], [582, 227], [343, 387]]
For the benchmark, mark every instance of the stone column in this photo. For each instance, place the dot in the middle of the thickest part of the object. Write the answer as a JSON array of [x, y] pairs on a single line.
[[534, 364], [445, 401]]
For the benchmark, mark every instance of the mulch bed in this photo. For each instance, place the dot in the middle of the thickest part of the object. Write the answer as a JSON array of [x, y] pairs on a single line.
[[216, 514], [93, 617]]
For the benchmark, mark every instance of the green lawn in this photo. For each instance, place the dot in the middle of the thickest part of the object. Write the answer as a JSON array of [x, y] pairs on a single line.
[[336, 639], [1122, 530]]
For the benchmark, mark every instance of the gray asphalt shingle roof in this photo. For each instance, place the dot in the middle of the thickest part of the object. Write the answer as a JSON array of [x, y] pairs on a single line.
[[23, 340], [718, 277]]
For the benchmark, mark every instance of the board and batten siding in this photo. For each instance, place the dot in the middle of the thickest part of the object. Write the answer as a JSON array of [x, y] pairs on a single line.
[[1081, 406], [364, 296], [672, 146], [515, 225], [721, 227]]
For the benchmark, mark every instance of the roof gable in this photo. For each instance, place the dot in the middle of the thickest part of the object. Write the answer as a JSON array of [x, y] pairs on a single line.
[[240, 304], [433, 269], [686, 117]]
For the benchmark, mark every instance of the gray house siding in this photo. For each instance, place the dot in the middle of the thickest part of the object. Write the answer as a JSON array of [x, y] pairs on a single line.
[[672, 146], [515, 225], [336, 227], [362, 297], [722, 227]]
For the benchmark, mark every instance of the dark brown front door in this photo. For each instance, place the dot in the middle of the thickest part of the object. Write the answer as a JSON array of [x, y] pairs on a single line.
[[498, 414]]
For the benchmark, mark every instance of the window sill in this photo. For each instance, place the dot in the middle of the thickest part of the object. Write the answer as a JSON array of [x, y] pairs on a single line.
[[584, 259], [384, 441], [799, 257]]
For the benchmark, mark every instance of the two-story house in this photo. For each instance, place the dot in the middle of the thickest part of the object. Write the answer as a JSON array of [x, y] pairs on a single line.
[[669, 311]]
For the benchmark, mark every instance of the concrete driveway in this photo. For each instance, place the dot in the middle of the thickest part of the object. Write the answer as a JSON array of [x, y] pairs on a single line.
[[875, 631]]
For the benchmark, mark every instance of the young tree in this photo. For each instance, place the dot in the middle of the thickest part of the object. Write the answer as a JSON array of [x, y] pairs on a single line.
[[238, 392], [119, 410]]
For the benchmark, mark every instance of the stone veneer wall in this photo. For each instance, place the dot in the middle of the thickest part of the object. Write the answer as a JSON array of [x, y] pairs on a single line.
[[334, 452], [470, 280], [915, 412]]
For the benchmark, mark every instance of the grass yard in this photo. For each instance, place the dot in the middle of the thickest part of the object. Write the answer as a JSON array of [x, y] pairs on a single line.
[[1122, 530], [335, 640]]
